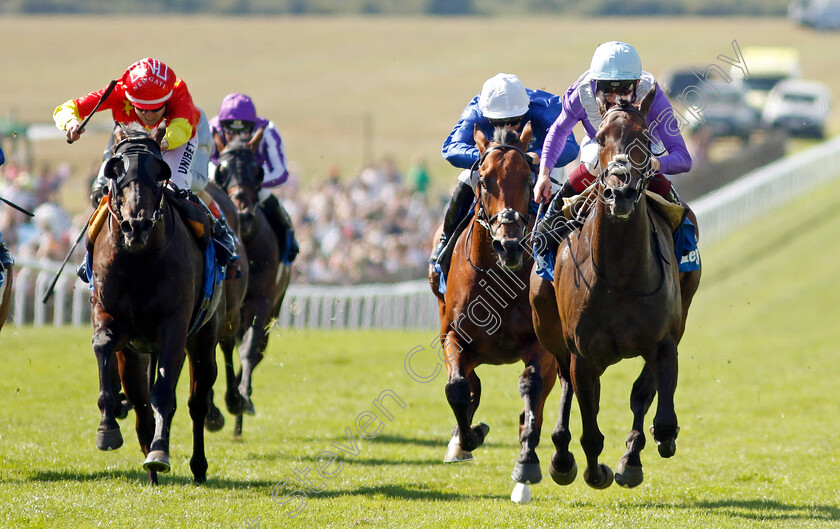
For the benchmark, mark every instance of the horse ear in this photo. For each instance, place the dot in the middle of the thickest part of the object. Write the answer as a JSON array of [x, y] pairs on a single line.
[[114, 168], [647, 101], [480, 139], [602, 103], [165, 172], [527, 133]]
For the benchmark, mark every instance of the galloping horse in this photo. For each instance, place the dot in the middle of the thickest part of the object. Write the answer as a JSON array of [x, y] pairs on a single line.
[[617, 294], [240, 175], [485, 316], [148, 274]]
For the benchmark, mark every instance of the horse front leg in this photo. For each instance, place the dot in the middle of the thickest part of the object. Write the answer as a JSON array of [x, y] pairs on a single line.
[[215, 420], [463, 393], [251, 350], [169, 364], [629, 471], [535, 383], [203, 373], [587, 385], [563, 467], [133, 369], [665, 428], [106, 341]]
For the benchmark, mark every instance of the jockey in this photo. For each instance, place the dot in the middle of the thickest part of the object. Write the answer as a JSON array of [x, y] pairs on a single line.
[[503, 100], [238, 116], [150, 94], [616, 72], [6, 259]]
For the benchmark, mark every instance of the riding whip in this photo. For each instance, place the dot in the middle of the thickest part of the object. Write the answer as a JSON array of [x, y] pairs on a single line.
[[17, 207], [105, 95], [64, 263]]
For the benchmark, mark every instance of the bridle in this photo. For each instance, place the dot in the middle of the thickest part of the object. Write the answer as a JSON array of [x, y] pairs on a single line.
[[506, 215], [621, 164], [136, 145]]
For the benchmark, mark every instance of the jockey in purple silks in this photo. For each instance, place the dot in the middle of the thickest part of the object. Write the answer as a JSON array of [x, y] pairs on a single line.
[[238, 118], [6, 259], [616, 72], [503, 100]]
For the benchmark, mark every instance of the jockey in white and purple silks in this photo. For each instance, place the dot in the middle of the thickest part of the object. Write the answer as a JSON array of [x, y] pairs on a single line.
[[616, 71], [503, 100], [238, 117]]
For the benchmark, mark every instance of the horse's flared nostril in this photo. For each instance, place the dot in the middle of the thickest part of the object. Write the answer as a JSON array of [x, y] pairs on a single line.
[[125, 226]]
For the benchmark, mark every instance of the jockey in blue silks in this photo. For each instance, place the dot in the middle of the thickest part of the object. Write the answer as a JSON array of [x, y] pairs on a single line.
[[503, 100], [6, 260]]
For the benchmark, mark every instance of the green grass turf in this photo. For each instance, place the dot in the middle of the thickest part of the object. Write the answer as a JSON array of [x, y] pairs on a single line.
[[757, 401]]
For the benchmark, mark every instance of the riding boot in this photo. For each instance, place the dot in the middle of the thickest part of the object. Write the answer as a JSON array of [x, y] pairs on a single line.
[[6, 259], [553, 226], [459, 204], [224, 241], [281, 223]]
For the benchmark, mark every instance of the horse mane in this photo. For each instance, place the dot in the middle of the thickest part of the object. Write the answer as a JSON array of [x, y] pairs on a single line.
[[235, 144]]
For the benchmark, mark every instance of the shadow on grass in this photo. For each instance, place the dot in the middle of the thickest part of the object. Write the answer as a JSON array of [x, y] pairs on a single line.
[[139, 476], [408, 492], [769, 510]]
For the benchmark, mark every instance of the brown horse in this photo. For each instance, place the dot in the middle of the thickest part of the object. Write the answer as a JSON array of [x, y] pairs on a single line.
[[148, 272], [485, 316], [240, 175], [617, 294]]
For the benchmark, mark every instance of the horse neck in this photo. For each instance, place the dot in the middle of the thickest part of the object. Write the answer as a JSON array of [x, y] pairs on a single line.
[[622, 251]]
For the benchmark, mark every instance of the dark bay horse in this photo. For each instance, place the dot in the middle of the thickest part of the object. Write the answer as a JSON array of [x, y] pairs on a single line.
[[485, 315], [148, 271], [240, 175], [617, 294]]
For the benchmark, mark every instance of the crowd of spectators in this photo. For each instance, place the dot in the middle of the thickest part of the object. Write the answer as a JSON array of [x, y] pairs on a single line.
[[375, 227]]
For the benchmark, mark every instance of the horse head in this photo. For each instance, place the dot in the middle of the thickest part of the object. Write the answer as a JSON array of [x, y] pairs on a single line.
[[504, 190], [624, 154], [136, 173], [240, 175]]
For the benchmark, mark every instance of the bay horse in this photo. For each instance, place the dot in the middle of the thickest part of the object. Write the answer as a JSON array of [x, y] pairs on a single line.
[[485, 314], [240, 175], [147, 273], [617, 294]]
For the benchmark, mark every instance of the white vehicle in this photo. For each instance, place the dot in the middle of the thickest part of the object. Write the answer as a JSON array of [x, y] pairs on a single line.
[[798, 106], [767, 65]]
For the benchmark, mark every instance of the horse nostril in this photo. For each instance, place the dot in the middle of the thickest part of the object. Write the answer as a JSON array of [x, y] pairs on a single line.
[[146, 225], [125, 226], [609, 194], [498, 247]]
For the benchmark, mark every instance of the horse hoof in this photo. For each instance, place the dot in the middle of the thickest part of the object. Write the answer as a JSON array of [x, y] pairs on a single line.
[[249, 407], [667, 448], [526, 473], [122, 408], [521, 493], [603, 483], [629, 476], [157, 461], [235, 403], [454, 454], [563, 478], [108, 439], [481, 430], [214, 420]]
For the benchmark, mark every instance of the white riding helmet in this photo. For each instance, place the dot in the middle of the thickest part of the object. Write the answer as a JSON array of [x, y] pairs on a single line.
[[615, 61], [503, 96]]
